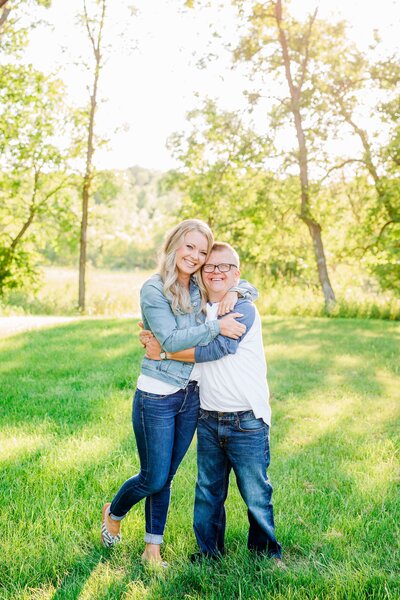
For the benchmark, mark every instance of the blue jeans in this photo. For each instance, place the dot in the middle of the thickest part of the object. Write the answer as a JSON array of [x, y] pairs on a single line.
[[239, 441], [164, 427]]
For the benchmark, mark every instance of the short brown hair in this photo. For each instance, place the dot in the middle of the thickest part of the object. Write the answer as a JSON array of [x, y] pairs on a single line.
[[225, 246]]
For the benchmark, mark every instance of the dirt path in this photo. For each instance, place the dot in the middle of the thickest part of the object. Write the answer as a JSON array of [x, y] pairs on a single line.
[[12, 325]]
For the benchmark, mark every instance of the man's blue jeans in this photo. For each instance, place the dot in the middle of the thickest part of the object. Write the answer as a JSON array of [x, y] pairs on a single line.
[[240, 442], [164, 427]]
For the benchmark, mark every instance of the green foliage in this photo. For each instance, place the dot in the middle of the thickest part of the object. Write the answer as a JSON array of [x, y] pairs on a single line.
[[17, 269], [32, 176], [240, 179], [17, 17], [223, 180], [386, 259], [34, 193], [131, 212]]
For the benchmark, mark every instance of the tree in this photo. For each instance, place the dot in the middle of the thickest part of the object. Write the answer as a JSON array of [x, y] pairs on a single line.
[[12, 36], [358, 87], [34, 182], [291, 51], [4, 14], [94, 25], [223, 179], [34, 169]]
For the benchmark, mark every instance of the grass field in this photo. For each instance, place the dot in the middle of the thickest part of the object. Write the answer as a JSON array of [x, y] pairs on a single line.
[[66, 445], [116, 293], [113, 293]]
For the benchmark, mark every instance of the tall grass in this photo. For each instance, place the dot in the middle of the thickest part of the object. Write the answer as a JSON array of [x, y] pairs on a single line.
[[115, 293], [107, 293], [66, 445], [308, 302]]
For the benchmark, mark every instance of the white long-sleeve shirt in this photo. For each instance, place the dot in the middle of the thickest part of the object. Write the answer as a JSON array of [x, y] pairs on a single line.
[[237, 380]]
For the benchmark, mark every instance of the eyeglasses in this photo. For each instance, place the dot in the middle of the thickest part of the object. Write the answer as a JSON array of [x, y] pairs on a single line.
[[222, 268]]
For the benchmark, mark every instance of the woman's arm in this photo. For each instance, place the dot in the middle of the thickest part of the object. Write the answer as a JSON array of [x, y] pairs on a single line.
[[246, 290], [218, 348], [158, 317], [243, 289]]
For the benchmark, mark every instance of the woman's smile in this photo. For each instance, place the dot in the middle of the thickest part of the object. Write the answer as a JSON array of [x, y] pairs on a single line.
[[192, 254]]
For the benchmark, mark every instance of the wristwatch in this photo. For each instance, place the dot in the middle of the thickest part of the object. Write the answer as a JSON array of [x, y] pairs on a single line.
[[163, 355]]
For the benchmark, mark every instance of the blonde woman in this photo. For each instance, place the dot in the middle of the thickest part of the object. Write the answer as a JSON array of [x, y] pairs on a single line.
[[166, 401]]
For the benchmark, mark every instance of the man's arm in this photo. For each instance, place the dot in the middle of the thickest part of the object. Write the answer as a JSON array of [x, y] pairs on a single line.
[[221, 346], [243, 289], [216, 349]]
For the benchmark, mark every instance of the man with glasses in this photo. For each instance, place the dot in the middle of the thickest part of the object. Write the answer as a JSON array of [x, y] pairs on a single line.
[[234, 421]]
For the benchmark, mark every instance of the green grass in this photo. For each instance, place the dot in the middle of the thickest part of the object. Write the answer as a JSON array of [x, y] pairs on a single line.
[[116, 293], [66, 445]]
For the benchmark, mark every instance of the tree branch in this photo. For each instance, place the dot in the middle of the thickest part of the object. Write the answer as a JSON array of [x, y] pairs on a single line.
[[340, 166], [4, 14], [365, 250], [285, 51], [89, 31], [364, 141], [307, 54], [35, 207], [32, 212], [53, 191]]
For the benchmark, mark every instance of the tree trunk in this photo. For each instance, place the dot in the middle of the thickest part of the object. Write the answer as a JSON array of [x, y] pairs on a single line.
[[5, 12], [83, 245], [88, 176], [305, 213], [315, 232], [86, 188]]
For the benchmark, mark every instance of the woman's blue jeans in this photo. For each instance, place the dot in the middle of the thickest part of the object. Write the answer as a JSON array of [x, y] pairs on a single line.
[[164, 427], [237, 441]]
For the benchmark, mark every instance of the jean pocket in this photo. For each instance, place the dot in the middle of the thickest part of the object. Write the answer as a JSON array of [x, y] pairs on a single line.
[[251, 425], [203, 415]]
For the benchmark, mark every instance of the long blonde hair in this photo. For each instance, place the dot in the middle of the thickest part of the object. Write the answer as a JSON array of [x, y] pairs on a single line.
[[173, 290]]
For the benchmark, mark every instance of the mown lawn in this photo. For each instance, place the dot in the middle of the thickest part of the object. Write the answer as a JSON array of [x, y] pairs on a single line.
[[66, 445]]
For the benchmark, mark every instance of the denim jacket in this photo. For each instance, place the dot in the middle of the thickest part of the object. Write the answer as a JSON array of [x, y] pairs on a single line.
[[177, 332]]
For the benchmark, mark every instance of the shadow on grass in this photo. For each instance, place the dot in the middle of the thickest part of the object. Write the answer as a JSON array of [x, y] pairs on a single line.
[[314, 354], [73, 583], [347, 527], [60, 375]]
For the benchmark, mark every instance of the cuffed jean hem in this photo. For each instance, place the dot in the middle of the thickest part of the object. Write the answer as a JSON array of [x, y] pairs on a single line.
[[152, 538], [115, 518]]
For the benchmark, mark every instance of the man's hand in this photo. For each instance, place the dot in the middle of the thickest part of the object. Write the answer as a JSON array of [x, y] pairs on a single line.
[[227, 303]]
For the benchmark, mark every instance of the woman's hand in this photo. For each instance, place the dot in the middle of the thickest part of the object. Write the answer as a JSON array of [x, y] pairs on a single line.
[[149, 342], [145, 335], [227, 303], [153, 349], [230, 327]]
